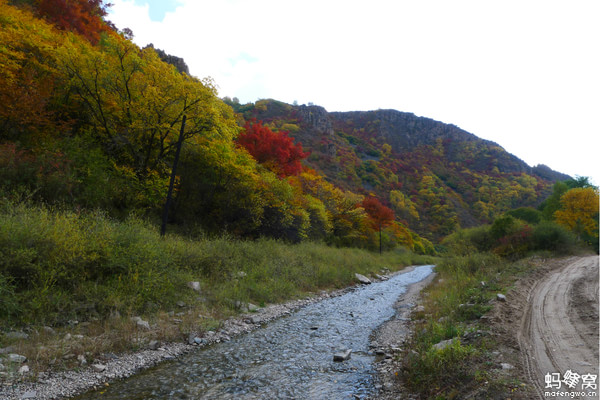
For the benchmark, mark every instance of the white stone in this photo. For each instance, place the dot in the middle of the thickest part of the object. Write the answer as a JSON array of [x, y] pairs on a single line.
[[99, 367], [362, 279], [195, 285], [154, 345], [443, 344], [16, 358]]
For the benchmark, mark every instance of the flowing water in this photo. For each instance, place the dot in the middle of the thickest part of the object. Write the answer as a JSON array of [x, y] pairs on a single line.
[[290, 358]]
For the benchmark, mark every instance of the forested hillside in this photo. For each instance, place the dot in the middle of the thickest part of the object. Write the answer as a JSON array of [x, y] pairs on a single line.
[[435, 176], [90, 120]]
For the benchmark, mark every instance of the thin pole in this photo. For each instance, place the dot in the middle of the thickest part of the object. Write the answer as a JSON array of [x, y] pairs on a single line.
[[380, 238], [165, 216]]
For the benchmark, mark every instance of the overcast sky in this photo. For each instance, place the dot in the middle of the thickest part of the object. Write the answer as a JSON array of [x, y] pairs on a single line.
[[525, 74]]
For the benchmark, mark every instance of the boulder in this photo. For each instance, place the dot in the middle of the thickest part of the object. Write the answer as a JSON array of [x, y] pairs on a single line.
[[16, 358], [98, 367], [154, 345], [49, 330], [16, 335], [245, 307], [506, 366], [443, 344], [190, 339], [140, 323], [362, 279], [342, 355], [501, 297], [195, 285], [8, 349]]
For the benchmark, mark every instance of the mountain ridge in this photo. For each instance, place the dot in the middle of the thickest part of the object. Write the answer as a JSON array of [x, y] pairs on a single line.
[[435, 175]]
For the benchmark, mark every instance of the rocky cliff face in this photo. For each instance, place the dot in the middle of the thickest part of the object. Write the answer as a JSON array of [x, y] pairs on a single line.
[[405, 132], [548, 173], [178, 62], [316, 118]]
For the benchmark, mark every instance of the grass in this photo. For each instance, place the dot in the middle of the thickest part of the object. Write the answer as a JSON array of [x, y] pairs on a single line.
[[462, 292], [87, 274]]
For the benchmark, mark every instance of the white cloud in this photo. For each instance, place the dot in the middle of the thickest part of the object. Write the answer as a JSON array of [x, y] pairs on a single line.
[[523, 74]]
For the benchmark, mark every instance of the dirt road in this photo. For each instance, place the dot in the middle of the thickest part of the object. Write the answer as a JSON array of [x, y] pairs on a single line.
[[558, 330]]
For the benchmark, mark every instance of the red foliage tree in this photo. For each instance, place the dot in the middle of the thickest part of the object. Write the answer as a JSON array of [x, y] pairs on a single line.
[[275, 150], [81, 16], [379, 215]]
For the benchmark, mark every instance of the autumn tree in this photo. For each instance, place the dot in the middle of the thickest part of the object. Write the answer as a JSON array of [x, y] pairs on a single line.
[[84, 17], [28, 75], [275, 150], [134, 102], [403, 205], [579, 212], [379, 215]]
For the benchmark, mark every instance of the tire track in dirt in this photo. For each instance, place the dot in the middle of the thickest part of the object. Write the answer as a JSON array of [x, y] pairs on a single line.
[[559, 327]]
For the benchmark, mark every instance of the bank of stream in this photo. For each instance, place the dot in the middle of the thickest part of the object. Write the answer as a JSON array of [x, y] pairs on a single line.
[[291, 357]]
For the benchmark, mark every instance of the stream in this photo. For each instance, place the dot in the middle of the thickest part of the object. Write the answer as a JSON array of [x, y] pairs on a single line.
[[290, 358]]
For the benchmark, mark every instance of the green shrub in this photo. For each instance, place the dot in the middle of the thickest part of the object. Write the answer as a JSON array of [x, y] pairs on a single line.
[[468, 241], [527, 214], [9, 306], [503, 226], [551, 236]]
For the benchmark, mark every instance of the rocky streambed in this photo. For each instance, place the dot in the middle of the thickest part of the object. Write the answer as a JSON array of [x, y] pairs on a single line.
[[288, 357]]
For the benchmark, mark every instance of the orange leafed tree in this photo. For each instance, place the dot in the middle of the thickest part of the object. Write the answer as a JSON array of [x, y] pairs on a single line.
[[379, 215], [82, 16]]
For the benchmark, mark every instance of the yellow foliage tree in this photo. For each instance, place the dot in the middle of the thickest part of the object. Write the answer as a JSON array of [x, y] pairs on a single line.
[[135, 102], [403, 205], [579, 211]]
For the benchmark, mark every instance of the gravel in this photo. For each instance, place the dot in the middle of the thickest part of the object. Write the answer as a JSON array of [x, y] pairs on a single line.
[[65, 384]]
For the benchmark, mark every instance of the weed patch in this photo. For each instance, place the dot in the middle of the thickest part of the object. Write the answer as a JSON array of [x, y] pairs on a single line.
[[86, 273], [463, 291]]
